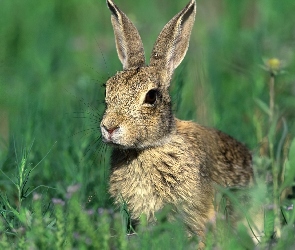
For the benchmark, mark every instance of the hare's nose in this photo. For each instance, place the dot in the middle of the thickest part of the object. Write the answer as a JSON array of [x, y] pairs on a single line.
[[110, 130]]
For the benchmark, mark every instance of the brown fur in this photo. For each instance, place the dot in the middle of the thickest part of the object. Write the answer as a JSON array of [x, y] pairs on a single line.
[[181, 172], [158, 159]]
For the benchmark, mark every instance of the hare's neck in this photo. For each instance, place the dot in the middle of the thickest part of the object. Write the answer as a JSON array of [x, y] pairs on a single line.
[[136, 181]]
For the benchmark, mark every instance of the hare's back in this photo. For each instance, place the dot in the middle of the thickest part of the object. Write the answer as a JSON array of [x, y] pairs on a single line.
[[228, 161]]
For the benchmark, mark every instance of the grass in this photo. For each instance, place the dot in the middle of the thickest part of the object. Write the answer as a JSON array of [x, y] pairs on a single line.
[[55, 57]]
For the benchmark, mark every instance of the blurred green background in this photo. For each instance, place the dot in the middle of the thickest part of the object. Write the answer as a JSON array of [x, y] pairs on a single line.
[[56, 55]]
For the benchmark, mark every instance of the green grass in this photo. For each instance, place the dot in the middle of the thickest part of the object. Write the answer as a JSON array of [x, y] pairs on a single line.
[[55, 57]]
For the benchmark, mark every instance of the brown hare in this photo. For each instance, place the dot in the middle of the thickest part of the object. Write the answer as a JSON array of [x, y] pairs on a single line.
[[158, 159]]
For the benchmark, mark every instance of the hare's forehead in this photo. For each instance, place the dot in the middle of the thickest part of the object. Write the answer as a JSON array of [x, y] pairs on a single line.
[[131, 83]]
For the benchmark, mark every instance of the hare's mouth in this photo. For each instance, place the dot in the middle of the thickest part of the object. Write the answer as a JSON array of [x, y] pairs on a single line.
[[110, 141]]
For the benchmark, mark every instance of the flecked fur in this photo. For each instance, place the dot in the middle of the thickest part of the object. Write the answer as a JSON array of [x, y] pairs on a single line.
[[158, 159]]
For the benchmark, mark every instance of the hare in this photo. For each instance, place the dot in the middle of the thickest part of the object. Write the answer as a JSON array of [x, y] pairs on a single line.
[[158, 159]]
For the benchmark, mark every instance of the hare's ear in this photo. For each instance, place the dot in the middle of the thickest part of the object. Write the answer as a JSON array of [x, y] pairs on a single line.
[[172, 43], [128, 42]]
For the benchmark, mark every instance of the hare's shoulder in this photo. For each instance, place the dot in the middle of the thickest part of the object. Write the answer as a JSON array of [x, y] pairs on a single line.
[[198, 137], [230, 161]]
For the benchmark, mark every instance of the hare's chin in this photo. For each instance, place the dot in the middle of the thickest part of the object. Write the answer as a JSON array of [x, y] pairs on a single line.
[[110, 139], [116, 144]]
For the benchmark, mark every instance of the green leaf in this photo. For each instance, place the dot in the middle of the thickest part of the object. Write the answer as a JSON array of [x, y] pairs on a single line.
[[289, 167], [264, 107], [292, 156], [268, 223]]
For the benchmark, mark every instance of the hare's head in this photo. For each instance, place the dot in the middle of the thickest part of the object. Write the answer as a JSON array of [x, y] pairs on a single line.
[[138, 108]]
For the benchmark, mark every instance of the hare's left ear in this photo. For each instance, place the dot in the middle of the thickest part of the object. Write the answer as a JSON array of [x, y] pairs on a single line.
[[172, 43], [128, 42]]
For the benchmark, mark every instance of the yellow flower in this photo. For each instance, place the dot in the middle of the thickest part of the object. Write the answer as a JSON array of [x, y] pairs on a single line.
[[273, 65]]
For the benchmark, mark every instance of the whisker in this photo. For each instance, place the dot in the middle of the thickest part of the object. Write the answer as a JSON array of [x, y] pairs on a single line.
[[85, 130], [104, 60]]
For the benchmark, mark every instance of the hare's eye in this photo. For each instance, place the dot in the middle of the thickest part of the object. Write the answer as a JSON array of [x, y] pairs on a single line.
[[151, 96]]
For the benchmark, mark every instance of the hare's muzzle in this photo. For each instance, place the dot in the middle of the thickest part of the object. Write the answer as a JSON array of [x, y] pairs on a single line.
[[109, 134]]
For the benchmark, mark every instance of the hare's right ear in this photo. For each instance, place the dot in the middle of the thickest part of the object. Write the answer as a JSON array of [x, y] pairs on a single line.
[[128, 42], [172, 43]]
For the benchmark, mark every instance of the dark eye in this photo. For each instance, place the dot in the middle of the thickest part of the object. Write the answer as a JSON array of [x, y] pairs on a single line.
[[151, 96]]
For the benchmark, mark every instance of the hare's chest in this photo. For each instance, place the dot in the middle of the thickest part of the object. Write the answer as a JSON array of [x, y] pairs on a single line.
[[136, 184]]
